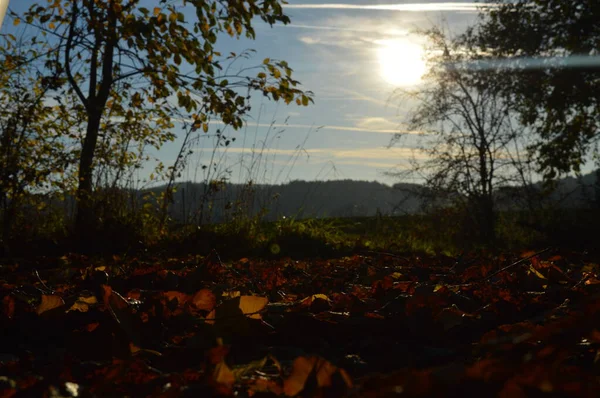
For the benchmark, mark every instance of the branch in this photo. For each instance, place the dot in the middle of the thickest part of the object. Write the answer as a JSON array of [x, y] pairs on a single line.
[[69, 44]]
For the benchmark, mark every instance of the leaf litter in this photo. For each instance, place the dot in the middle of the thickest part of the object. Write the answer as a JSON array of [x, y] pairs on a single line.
[[366, 325]]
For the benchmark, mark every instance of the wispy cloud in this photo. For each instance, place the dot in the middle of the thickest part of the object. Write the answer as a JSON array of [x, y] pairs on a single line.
[[410, 7], [355, 95], [325, 127], [369, 154], [320, 27], [378, 165], [376, 123]]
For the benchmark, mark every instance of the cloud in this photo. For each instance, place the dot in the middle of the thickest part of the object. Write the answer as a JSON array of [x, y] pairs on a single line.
[[376, 123], [373, 155], [309, 40], [393, 130], [379, 153], [355, 95], [368, 164], [411, 7]]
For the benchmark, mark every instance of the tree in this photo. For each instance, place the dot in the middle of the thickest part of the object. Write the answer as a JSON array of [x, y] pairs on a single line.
[[33, 154], [550, 49], [470, 144], [146, 65]]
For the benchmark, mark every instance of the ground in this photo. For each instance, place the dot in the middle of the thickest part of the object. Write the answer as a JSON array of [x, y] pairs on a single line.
[[369, 325]]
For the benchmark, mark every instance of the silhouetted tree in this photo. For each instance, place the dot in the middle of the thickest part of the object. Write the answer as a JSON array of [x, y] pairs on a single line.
[[470, 143], [550, 49]]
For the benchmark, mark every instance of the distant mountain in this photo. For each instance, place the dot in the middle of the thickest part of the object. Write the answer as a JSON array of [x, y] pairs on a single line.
[[346, 198], [301, 199]]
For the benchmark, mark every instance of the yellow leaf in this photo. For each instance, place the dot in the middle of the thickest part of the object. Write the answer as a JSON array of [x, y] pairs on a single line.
[[205, 127], [16, 22], [233, 294], [51, 25], [536, 272], [211, 317], [222, 374], [266, 61], [156, 11], [83, 304], [49, 302], [252, 305]]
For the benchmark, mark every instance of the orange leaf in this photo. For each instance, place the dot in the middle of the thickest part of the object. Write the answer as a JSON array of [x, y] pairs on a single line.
[[181, 298], [223, 375], [49, 302], [8, 306], [204, 300], [322, 370], [210, 318], [252, 305]]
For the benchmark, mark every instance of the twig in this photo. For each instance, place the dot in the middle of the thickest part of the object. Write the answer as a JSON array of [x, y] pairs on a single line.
[[36, 273], [386, 254], [515, 263]]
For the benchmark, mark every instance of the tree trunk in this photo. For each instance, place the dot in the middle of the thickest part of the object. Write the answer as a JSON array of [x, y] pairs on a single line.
[[487, 220], [85, 220]]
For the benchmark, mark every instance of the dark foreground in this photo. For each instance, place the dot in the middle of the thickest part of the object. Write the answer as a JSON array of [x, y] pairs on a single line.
[[369, 326]]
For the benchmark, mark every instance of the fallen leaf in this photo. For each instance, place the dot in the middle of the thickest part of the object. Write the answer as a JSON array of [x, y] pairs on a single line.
[[204, 300], [8, 306], [323, 371], [233, 294], [222, 374], [181, 298], [49, 302], [211, 317], [252, 305], [82, 304]]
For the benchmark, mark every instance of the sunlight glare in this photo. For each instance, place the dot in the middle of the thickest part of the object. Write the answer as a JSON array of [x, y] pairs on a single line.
[[401, 62]]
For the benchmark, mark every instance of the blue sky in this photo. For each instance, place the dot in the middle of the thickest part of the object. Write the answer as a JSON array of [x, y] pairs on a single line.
[[335, 50], [350, 55]]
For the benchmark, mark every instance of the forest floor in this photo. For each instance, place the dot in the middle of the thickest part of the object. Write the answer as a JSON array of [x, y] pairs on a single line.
[[371, 325]]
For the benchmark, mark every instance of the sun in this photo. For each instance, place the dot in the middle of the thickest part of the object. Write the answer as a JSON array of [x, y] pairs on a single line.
[[401, 62]]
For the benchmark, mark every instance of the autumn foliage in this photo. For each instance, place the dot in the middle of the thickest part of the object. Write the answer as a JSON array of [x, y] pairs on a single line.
[[376, 325]]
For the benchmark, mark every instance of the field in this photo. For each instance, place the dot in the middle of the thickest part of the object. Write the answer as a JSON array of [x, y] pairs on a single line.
[[368, 323]]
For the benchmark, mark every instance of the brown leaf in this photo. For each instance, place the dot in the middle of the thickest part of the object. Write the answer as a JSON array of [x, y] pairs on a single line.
[[204, 300], [323, 371], [49, 302], [8, 306], [181, 298]]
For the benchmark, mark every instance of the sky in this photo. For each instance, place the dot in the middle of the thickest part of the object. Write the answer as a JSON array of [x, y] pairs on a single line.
[[352, 55]]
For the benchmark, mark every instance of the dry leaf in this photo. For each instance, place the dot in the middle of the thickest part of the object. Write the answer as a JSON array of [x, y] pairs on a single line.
[[181, 298], [222, 374], [204, 300], [210, 318], [49, 302], [233, 294], [252, 305], [322, 370], [8, 306], [83, 304]]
